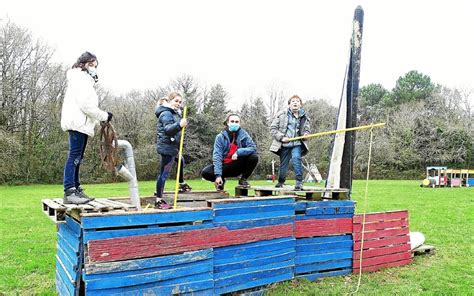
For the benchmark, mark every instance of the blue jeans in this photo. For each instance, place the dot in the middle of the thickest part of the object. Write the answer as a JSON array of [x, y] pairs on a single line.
[[167, 162], [77, 146], [293, 153]]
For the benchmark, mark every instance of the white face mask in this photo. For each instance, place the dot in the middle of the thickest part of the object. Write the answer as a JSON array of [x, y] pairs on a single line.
[[93, 73]]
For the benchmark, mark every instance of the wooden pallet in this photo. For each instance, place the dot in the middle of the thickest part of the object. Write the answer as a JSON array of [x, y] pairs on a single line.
[[56, 209], [424, 249], [311, 193], [191, 199]]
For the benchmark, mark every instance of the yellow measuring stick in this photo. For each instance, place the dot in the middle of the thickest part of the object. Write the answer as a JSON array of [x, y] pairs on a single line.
[[180, 155], [338, 131]]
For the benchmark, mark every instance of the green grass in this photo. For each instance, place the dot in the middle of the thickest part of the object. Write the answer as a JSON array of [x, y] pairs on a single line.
[[445, 216]]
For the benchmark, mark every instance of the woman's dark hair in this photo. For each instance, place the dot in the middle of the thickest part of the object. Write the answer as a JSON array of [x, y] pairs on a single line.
[[84, 59]]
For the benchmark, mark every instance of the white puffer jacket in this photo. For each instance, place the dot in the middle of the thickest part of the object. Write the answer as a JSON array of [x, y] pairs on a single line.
[[80, 110]]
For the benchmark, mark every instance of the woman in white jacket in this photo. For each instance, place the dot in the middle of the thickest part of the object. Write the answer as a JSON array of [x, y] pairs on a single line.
[[80, 114]]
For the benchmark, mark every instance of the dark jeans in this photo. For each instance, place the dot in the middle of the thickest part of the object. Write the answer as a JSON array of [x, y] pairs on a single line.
[[166, 166], [77, 146], [293, 153], [244, 165]]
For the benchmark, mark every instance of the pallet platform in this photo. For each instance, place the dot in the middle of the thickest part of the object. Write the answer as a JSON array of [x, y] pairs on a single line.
[[56, 209], [308, 192]]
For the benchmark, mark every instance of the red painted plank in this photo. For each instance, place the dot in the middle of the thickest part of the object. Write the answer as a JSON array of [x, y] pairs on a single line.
[[381, 225], [142, 246], [384, 265], [381, 234], [381, 251], [386, 216], [322, 227], [397, 240], [381, 259]]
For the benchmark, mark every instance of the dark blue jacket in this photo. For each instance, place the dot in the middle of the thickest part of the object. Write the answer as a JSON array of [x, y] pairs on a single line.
[[244, 142], [168, 131]]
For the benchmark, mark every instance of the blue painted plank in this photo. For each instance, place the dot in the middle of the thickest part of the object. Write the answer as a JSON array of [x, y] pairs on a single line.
[[323, 239], [329, 211], [92, 234], [232, 225], [69, 265], [330, 265], [249, 263], [236, 277], [311, 248], [141, 264], [128, 220], [329, 203], [66, 246], [256, 281], [199, 282], [73, 225], [309, 258], [300, 206], [252, 256], [253, 209], [68, 236], [256, 249], [251, 203], [252, 216], [62, 288], [315, 276], [303, 217], [138, 277], [65, 279]]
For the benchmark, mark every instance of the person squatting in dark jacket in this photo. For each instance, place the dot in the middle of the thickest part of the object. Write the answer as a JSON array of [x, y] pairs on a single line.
[[168, 132], [290, 123], [235, 153]]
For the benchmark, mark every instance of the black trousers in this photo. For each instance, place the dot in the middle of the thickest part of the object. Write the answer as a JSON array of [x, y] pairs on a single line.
[[244, 165]]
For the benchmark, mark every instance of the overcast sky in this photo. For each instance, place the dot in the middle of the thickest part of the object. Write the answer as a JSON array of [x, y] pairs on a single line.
[[249, 45]]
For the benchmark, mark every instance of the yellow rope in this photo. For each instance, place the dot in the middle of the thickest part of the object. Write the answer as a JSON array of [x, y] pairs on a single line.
[[363, 215], [357, 128], [180, 155]]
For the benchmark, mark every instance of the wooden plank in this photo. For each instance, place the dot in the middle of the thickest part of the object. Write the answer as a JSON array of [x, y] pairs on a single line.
[[381, 225], [106, 220], [174, 286], [383, 216], [249, 263], [234, 225], [322, 227], [63, 287], [323, 240], [259, 209], [256, 249], [73, 225], [73, 206], [256, 255], [256, 213], [328, 255], [125, 248], [396, 240], [140, 264], [381, 234], [150, 275], [255, 282], [355, 269], [317, 275], [273, 270], [327, 246], [236, 276], [382, 251], [250, 201], [381, 259], [93, 234], [323, 266], [329, 210]]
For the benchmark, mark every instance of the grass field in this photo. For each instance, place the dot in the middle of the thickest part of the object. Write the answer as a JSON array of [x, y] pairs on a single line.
[[445, 216]]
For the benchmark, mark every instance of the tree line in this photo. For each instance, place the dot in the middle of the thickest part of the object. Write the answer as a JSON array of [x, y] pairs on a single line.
[[427, 123]]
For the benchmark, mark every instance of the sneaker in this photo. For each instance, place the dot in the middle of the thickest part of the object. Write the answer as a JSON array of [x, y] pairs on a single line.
[[81, 193], [162, 204], [299, 186], [71, 197], [183, 187], [280, 185], [243, 183]]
